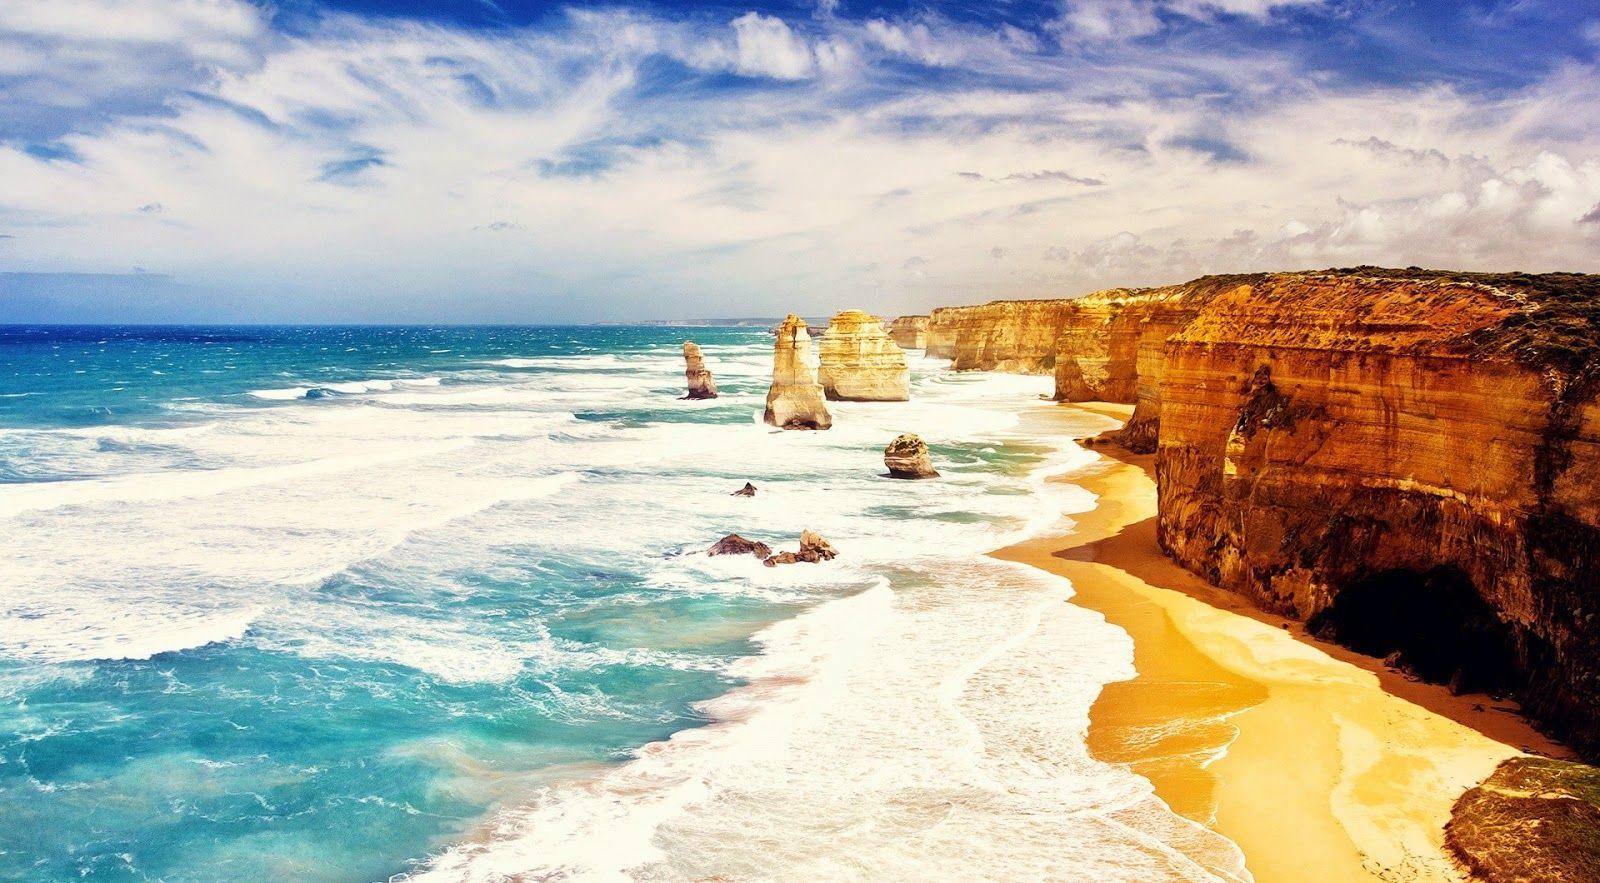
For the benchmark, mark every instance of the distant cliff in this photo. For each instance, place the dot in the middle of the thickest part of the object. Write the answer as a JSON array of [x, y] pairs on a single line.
[[910, 332], [1409, 459], [1003, 335]]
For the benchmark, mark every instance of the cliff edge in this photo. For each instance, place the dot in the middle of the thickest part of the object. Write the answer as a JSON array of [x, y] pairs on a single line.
[[1409, 459]]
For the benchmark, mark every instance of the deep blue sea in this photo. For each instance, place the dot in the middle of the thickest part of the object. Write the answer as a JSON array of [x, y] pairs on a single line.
[[345, 603]]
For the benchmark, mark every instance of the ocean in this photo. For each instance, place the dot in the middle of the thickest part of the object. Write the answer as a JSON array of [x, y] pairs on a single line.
[[359, 603]]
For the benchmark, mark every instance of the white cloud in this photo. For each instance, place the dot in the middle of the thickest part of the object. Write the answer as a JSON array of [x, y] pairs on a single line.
[[1102, 20], [395, 163], [767, 47]]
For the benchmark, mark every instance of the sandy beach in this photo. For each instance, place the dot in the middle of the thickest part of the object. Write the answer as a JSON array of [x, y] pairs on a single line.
[[1319, 763]]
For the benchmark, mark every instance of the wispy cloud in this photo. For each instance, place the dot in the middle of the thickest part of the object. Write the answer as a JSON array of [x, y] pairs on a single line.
[[756, 160]]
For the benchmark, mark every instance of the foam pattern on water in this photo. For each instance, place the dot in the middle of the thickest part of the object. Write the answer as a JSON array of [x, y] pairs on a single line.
[[451, 614]]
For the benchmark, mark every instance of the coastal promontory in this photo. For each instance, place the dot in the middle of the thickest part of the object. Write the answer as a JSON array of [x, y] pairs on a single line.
[[1408, 459]]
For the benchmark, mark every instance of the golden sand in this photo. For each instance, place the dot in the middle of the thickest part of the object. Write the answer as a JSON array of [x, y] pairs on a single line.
[[1319, 763]]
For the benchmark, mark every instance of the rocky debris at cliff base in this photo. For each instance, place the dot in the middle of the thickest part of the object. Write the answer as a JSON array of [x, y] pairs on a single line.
[[701, 384], [749, 490], [907, 457], [1535, 819], [794, 401], [733, 544], [813, 549]]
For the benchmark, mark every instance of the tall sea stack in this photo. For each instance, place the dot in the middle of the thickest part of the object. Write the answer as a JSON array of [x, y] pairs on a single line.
[[701, 386], [860, 363], [795, 399]]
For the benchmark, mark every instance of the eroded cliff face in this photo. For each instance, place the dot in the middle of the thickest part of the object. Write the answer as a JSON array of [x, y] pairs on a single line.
[[858, 362], [1004, 335], [1410, 459], [1386, 457], [910, 332]]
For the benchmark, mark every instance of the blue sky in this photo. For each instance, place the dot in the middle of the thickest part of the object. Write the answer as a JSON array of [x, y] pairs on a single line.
[[489, 160]]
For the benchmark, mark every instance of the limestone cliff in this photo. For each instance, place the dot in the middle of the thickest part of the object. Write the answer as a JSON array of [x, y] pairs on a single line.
[[1410, 459], [794, 401], [910, 332], [1407, 459], [858, 362], [1002, 335]]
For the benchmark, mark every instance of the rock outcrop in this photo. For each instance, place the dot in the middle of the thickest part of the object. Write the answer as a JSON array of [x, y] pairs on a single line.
[[910, 332], [1408, 459], [858, 362], [701, 386], [813, 549], [795, 399], [733, 544], [1534, 819], [907, 457]]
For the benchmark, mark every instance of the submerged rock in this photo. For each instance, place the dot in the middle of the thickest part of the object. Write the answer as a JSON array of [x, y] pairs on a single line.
[[733, 544], [749, 490], [794, 400], [907, 457], [813, 548], [860, 363], [701, 386]]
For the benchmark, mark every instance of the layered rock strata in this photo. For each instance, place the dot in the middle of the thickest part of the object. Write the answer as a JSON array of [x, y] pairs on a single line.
[[1408, 462], [910, 332], [1004, 335], [795, 399], [701, 385], [858, 362], [1410, 459]]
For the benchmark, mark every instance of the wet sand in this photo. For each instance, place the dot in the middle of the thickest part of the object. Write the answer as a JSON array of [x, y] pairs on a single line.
[[1321, 764]]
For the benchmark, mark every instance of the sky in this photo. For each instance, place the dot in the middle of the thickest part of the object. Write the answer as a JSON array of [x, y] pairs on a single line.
[[504, 161]]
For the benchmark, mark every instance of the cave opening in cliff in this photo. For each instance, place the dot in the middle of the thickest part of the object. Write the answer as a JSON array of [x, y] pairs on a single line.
[[1432, 623]]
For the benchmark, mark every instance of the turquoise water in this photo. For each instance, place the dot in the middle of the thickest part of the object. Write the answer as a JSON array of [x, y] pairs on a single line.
[[321, 603]]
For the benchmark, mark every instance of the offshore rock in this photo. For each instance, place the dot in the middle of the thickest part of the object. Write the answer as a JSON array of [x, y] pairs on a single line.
[[749, 490], [860, 363], [813, 549], [907, 457], [795, 399], [733, 544], [701, 386], [910, 332]]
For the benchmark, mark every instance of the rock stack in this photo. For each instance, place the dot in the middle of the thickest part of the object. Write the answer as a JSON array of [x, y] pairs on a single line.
[[794, 400], [907, 457], [701, 386], [860, 362]]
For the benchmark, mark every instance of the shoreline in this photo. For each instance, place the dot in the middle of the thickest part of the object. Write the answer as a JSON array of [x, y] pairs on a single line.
[[1303, 753]]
